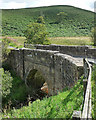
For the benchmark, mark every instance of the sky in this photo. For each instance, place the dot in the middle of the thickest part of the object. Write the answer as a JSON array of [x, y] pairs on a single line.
[[15, 4]]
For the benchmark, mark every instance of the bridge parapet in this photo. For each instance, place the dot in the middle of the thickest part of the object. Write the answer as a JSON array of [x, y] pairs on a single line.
[[67, 71], [81, 51], [38, 56]]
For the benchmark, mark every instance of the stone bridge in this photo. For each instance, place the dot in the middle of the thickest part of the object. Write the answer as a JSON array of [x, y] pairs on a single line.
[[58, 69]]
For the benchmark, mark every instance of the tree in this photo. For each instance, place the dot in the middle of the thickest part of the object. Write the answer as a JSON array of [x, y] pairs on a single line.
[[36, 33], [93, 35], [61, 16], [40, 20]]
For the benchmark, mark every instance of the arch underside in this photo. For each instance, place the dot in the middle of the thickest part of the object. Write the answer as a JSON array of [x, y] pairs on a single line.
[[45, 71]]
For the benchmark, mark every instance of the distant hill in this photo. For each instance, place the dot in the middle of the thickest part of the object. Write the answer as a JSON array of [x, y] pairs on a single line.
[[78, 22]]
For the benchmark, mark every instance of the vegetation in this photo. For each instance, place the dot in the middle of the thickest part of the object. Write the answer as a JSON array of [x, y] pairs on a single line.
[[60, 106], [93, 35], [6, 82], [63, 23], [5, 50], [15, 92], [78, 22], [8, 42], [61, 16], [58, 40], [36, 32], [94, 92], [12, 91], [40, 20], [71, 40]]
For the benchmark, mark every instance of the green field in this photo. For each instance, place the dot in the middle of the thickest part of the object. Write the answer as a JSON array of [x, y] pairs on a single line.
[[71, 40], [19, 41], [78, 22]]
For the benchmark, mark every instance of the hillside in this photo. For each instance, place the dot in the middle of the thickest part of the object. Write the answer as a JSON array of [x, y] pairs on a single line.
[[78, 22]]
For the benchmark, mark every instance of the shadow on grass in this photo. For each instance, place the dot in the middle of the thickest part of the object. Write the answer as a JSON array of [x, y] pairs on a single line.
[[70, 100]]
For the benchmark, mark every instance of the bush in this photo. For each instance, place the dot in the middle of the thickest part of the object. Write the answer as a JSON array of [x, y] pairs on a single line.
[[14, 89], [6, 42], [6, 82], [5, 50]]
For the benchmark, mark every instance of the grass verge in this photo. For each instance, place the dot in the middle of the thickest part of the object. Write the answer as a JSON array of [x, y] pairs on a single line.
[[94, 93]]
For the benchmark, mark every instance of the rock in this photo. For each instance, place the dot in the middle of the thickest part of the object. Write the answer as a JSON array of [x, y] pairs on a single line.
[[44, 88]]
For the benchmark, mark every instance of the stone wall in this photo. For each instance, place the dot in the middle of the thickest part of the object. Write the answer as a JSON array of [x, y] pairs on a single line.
[[59, 70], [15, 59], [81, 51]]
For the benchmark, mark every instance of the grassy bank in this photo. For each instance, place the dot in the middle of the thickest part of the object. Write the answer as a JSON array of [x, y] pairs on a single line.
[[94, 92], [60, 106]]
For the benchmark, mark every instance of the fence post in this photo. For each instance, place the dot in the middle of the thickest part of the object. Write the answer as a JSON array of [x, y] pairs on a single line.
[[76, 115], [86, 69], [84, 86], [24, 44]]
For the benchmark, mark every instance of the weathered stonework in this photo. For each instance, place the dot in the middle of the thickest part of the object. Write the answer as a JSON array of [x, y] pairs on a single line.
[[81, 51], [59, 70]]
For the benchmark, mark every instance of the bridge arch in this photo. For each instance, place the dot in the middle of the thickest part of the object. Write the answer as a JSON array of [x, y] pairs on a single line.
[[45, 74], [35, 79]]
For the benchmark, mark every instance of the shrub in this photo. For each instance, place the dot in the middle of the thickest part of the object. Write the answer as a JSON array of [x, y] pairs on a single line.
[[7, 41], [6, 82], [14, 89], [5, 50]]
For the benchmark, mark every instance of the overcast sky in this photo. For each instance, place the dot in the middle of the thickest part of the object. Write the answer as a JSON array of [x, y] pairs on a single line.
[[14, 4]]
